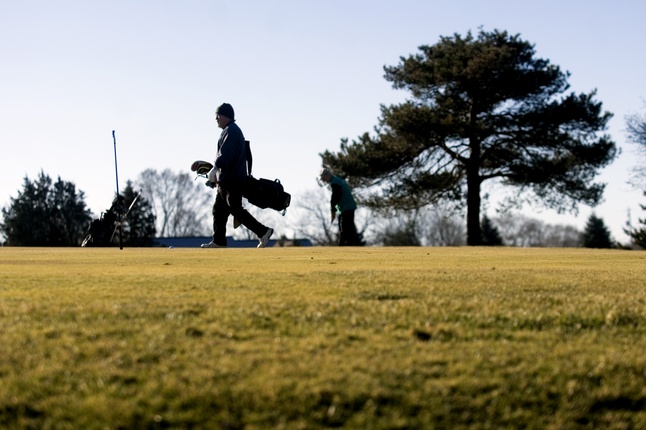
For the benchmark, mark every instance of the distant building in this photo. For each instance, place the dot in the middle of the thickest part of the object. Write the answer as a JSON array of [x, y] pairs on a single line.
[[195, 242]]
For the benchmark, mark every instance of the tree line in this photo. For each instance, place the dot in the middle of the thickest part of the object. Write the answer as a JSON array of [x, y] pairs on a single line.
[[54, 213], [483, 109]]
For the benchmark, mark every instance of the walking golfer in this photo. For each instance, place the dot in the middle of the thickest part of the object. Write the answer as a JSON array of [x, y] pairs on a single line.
[[342, 202], [229, 174]]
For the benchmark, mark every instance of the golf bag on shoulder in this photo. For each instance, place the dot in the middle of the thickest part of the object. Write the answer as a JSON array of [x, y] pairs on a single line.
[[263, 193], [266, 193]]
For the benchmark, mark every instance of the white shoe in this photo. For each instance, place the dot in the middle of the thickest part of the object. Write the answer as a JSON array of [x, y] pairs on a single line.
[[211, 245], [265, 239]]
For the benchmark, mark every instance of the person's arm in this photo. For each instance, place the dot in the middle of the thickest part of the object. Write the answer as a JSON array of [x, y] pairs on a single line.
[[336, 196], [225, 151]]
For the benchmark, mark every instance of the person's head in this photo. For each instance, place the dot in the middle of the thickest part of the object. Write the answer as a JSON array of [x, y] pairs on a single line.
[[325, 175], [224, 115]]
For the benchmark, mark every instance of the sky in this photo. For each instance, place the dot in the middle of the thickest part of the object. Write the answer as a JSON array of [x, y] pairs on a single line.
[[301, 75]]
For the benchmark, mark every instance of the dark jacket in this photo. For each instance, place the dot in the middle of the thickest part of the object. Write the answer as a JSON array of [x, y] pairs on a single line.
[[342, 199], [231, 161]]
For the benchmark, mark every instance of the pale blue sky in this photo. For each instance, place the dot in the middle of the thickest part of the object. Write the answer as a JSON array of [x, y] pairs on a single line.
[[301, 75]]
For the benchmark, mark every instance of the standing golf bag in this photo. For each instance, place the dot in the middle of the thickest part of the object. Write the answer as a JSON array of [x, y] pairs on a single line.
[[102, 230]]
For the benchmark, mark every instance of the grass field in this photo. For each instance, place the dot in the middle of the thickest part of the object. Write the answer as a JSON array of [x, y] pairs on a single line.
[[377, 338]]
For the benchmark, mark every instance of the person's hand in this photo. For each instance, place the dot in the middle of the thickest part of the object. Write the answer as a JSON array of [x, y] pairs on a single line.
[[212, 181]]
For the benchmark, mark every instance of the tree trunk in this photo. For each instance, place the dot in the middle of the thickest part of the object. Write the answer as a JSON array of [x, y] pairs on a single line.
[[474, 237]]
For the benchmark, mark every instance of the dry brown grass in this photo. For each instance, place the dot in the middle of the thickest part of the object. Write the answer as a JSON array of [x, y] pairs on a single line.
[[322, 337]]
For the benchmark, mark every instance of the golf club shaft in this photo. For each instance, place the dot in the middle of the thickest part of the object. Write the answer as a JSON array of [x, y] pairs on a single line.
[[116, 172]]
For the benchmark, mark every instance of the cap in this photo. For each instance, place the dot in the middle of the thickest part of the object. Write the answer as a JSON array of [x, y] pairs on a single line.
[[225, 109]]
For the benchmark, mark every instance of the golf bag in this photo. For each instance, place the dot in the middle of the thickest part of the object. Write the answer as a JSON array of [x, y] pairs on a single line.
[[263, 193], [102, 230]]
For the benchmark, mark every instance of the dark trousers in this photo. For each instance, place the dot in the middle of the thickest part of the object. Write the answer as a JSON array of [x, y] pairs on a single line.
[[347, 230], [228, 201]]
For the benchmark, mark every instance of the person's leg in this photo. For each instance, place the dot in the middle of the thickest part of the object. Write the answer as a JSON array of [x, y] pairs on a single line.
[[221, 212], [347, 229], [343, 239], [352, 230], [234, 200]]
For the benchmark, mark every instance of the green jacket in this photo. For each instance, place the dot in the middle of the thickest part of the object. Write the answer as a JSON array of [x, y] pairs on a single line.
[[342, 199]]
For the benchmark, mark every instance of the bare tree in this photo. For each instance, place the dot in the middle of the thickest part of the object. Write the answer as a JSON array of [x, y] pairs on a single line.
[[508, 226], [399, 228], [562, 236], [636, 128], [530, 233], [181, 205], [313, 218], [522, 231], [444, 227], [428, 226]]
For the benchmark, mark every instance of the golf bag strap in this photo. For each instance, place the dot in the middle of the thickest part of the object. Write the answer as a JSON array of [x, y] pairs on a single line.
[[249, 156]]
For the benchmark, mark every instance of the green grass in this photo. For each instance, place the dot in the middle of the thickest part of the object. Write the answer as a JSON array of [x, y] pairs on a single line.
[[312, 338]]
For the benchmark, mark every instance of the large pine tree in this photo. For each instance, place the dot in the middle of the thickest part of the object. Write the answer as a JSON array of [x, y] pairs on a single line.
[[482, 108]]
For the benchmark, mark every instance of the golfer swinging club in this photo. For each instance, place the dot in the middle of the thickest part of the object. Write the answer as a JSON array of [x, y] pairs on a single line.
[[342, 202], [229, 174]]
